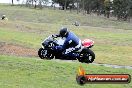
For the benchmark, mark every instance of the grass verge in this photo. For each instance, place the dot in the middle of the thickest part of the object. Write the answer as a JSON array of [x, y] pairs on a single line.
[[17, 72]]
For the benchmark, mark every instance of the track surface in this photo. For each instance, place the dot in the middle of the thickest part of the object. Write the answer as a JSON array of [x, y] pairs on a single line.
[[17, 50]]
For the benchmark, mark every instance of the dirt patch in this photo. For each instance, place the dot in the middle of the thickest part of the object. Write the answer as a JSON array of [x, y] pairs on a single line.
[[17, 50]]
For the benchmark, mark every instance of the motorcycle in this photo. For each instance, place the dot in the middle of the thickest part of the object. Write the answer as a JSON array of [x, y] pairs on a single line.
[[84, 55]]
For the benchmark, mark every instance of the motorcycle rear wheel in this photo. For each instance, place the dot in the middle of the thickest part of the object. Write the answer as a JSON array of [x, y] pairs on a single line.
[[87, 56]]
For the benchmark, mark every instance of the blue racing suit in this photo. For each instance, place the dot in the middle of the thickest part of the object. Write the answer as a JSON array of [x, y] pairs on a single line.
[[71, 43]]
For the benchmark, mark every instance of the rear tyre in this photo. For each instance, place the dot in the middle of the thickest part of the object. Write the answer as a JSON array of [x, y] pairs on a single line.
[[87, 56]]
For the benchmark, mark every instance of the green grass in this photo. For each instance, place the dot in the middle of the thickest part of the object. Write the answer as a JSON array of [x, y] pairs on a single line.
[[20, 72], [48, 15], [19, 38]]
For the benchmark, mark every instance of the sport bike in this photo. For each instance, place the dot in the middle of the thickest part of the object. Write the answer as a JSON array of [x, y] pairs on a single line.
[[84, 55]]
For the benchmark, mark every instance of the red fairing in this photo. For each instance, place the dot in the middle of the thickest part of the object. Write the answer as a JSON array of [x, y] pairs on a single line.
[[87, 42]]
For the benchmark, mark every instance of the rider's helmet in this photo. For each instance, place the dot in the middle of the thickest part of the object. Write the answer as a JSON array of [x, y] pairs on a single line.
[[63, 32]]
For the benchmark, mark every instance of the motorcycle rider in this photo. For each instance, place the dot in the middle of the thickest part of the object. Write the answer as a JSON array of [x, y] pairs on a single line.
[[71, 43]]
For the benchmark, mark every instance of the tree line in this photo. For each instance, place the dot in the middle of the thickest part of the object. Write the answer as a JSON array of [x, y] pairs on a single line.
[[121, 9]]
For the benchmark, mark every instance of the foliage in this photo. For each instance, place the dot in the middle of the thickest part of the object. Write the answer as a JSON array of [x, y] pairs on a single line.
[[36, 3], [122, 8], [107, 7], [92, 5], [64, 3]]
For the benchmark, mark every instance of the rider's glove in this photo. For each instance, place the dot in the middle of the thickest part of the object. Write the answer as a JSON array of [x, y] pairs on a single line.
[[55, 36]]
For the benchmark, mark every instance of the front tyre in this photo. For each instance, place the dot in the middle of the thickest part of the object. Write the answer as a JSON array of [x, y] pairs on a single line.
[[44, 54], [41, 52]]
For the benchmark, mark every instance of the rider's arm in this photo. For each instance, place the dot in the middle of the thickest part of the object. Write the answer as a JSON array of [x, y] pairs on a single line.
[[66, 44], [55, 35]]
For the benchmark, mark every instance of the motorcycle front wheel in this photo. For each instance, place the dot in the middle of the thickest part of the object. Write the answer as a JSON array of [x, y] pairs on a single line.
[[45, 54]]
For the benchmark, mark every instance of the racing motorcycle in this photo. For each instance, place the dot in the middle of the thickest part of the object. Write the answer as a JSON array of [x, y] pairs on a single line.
[[84, 55]]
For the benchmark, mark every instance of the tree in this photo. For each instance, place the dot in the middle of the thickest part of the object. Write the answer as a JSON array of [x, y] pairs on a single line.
[[129, 10], [77, 1], [122, 9], [12, 2], [107, 6], [92, 6], [18, 1], [85, 5], [36, 3], [64, 3]]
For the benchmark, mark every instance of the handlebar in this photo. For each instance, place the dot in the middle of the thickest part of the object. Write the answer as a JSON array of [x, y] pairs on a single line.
[[55, 36]]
